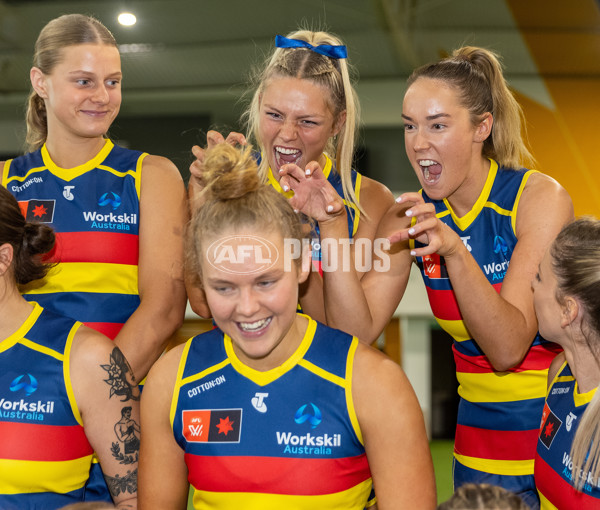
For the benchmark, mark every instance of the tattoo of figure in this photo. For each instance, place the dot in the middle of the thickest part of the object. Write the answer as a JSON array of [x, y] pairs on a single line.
[[128, 433], [120, 377], [122, 484]]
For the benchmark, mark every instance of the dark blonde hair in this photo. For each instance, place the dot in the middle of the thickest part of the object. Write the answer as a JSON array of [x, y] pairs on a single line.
[[66, 30], [477, 75], [576, 263], [330, 73], [483, 496], [29, 240], [234, 197]]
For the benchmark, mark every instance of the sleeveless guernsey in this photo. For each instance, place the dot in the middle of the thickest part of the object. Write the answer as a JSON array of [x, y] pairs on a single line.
[[563, 411], [45, 457], [94, 209], [498, 416], [285, 438]]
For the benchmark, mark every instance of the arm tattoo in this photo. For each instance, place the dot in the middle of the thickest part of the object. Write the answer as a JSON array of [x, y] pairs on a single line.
[[122, 484], [120, 377], [128, 433]]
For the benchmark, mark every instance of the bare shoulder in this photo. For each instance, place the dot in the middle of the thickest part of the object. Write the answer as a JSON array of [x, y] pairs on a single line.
[[161, 169], [543, 204], [91, 347], [375, 197], [376, 372]]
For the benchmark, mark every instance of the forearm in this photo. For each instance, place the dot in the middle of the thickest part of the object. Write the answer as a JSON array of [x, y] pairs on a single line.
[[346, 305], [500, 329], [148, 331]]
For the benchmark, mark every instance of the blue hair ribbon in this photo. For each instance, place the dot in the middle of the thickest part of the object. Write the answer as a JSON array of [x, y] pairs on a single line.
[[323, 49]]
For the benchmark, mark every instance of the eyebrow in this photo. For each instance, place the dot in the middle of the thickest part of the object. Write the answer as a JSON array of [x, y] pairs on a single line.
[[430, 117]]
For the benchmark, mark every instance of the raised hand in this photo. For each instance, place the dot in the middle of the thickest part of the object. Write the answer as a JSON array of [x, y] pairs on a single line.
[[313, 194]]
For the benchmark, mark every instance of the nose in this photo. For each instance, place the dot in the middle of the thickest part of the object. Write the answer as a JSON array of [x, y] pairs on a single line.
[[248, 303], [288, 130], [100, 94], [420, 141]]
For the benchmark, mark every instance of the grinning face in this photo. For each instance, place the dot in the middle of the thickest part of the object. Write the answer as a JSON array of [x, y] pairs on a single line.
[[253, 295], [83, 92], [295, 122], [442, 144]]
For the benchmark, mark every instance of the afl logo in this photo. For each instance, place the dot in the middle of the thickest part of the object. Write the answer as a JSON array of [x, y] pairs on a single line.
[[29, 385], [239, 254]]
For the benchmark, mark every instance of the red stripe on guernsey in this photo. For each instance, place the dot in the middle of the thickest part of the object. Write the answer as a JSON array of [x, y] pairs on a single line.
[[505, 444], [560, 493], [272, 475], [109, 329], [109, 247], [28, 441], [538, 358], [444, 305]]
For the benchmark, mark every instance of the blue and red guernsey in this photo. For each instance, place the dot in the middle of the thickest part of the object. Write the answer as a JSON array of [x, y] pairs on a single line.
[[285, 438], [353, 213], [498, 417], [94, 209], [563, 412], [45, 457]]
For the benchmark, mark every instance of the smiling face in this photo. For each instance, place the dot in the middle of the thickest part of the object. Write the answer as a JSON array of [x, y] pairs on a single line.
[[295, 122], [442, 144], [253, 295], [83, 91]]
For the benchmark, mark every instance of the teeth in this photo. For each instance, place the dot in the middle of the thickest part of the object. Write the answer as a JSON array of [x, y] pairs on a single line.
[[426, 174], [427, 162], [283, 150], [253, 326]]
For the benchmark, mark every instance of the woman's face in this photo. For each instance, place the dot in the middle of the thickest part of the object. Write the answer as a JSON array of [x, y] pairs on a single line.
[[547, 309], [442, 144], [253, 294], [83, 92], [295, 122]]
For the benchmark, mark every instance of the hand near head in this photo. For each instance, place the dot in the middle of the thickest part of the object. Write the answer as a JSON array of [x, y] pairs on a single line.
[[313, 193], [212, 138], [428, 229]]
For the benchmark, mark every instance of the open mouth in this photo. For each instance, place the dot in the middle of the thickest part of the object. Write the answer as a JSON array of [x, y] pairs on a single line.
[[254, 327], [431, 169], [286, 155]]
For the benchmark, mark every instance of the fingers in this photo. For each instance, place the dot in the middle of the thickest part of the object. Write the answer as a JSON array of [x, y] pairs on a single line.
[[214, 138], [293, 171], [234, 139], [197, 165], [313, 169]]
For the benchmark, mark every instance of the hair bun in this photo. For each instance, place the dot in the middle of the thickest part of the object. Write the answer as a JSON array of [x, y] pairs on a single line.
[[230, 172], [37, 238]]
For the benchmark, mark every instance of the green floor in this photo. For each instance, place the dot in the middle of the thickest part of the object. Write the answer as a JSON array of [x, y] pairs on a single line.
[[441, 451]]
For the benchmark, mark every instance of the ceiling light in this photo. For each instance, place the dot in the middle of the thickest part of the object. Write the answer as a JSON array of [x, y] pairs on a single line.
[[127, 19]]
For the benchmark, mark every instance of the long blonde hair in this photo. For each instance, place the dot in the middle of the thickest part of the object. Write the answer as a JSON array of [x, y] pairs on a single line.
[[576, 264], [66, 30], [330, 73], [477, 75]]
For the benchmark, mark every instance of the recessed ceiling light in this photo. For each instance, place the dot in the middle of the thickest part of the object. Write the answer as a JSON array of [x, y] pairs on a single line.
[[127, 19]]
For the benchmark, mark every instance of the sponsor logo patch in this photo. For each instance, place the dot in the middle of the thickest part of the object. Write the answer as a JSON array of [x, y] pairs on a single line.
[[212, 425]]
